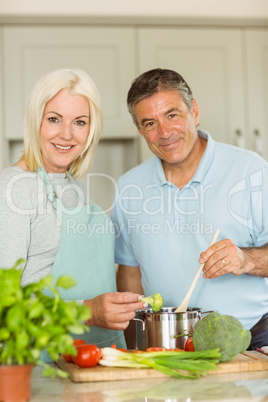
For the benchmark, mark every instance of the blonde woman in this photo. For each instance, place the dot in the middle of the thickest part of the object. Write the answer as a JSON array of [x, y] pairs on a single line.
[[45, 216]]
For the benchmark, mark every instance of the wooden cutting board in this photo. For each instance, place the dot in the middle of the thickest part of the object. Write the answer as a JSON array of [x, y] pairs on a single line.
[[248, 361]]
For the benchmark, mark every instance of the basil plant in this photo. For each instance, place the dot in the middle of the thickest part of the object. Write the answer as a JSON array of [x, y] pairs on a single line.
[[31, 321]]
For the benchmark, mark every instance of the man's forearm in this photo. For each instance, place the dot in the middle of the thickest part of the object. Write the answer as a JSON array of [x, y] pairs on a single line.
[[257, 260]]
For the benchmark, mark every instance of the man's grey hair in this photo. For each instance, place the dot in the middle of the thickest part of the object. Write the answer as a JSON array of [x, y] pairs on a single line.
[[156, 80]]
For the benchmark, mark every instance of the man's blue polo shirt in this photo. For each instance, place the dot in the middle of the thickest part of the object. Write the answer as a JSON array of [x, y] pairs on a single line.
[[163, 229]]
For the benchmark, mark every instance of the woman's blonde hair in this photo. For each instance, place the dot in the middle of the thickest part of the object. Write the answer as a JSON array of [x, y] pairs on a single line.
[[77, 82]]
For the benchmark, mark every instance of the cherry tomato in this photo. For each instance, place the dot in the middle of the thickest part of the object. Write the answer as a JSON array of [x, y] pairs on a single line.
[[76, 342], [87, 355], [189, 346]]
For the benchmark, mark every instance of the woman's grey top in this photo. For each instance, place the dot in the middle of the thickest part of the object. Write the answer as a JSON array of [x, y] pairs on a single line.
[[29, 228]]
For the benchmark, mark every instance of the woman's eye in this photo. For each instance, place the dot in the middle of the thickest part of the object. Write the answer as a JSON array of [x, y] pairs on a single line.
[[53, 119], [80, 123]]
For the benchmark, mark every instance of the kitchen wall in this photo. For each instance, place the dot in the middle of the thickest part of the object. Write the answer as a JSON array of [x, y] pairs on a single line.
[[253, 9]]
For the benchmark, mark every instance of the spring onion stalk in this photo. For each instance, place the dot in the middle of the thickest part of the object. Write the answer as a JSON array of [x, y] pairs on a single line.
[[122, 363], [172, 363]]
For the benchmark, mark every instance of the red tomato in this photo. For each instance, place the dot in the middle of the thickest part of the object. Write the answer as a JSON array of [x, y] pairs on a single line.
[[77, 342], [189, 346], [87, 355]]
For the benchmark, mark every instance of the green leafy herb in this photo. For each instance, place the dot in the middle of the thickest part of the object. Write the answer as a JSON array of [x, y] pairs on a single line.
[[31, 321]]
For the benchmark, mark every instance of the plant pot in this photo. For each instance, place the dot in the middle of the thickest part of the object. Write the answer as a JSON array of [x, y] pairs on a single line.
[[15, 383]]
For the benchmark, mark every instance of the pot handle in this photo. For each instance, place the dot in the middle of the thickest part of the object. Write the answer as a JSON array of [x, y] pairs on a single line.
[[207, 312], [143, 323]]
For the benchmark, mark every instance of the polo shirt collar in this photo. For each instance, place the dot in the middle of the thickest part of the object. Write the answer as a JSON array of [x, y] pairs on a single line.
[[159, 178]]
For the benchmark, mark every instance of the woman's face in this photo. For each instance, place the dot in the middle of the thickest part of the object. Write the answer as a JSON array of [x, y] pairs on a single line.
[[64, 130]]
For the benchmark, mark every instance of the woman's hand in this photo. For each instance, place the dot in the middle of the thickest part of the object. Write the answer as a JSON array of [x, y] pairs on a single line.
[[113, 310]]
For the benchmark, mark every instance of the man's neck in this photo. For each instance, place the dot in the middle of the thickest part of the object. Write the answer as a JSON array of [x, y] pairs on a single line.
[[181, 173]]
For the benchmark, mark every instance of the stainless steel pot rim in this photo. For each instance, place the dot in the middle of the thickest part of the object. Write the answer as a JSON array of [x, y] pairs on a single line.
[[168, 310]]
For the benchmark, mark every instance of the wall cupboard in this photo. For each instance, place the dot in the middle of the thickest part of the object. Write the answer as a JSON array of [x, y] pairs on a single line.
[[227, 69], [108, 55]]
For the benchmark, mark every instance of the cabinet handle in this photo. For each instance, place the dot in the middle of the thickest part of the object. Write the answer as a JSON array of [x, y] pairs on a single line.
[[240, 141], [258, 141]]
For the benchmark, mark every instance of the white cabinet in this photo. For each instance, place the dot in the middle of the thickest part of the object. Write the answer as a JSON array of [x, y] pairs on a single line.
[[213, 62], [3, 143], [257, 84], [227, 69], [107, 54]]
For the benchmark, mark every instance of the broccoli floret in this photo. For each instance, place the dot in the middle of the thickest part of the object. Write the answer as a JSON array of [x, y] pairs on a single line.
[[155, 301], [221, 331]]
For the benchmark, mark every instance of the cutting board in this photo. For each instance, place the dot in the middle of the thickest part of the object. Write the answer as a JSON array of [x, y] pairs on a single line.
[[248, 361]]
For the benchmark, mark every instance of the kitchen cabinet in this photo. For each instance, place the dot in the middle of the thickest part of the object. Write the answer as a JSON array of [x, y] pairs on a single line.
[[106, 54], [257, 89], [226, 67], [227, 70], [3, 143]]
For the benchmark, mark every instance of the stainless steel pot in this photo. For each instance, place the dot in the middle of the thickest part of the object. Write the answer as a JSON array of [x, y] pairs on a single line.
[[160, 329]]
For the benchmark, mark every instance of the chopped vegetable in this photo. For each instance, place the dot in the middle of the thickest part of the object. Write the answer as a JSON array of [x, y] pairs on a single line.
[[114, 347], [155, 301], [155, 349], [188, 365], [221, 331]]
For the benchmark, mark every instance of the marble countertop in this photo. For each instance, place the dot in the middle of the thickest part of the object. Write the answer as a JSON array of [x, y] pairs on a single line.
[[236, 387]]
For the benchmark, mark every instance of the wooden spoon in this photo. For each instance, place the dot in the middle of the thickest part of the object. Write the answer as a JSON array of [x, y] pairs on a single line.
[[184, 304]]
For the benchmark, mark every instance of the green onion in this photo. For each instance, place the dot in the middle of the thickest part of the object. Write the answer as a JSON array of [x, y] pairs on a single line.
[[175, 364]]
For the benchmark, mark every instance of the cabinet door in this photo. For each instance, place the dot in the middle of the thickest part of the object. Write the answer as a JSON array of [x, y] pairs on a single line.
[[257, 81], [3, 142], [210, 60], [106, 54]]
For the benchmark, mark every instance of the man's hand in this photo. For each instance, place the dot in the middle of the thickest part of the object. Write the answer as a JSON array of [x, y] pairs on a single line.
[[225, 257]]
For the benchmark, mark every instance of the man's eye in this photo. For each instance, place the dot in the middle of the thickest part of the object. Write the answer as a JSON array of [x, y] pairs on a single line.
[[149, 125]]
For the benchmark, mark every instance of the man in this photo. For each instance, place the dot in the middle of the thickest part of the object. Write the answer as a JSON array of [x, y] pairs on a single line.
[[168, 208]]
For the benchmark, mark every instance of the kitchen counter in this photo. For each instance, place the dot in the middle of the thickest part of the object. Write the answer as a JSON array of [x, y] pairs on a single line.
[[236, 387]]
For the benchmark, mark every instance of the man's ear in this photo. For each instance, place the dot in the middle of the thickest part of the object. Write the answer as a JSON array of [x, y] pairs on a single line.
[[195, 111], [139, 131]]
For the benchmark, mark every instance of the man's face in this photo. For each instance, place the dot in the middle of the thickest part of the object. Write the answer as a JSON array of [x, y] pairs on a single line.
[[168, 126]]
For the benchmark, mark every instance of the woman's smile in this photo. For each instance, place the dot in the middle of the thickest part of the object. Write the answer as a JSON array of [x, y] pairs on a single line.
[[63, 147]]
